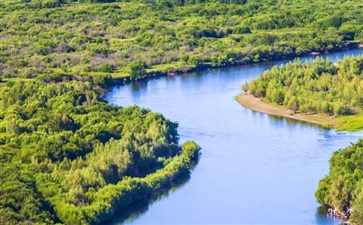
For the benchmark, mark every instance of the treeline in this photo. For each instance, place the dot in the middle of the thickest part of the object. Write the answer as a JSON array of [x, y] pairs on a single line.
[[313, 87], [342, 189], [69, 157], [138, 39], [38, 4]]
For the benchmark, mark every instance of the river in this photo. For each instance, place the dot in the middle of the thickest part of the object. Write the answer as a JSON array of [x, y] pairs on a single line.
[[254, 168]]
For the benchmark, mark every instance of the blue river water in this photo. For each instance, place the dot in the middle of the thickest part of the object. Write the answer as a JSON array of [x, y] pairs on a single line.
[[254, 168]]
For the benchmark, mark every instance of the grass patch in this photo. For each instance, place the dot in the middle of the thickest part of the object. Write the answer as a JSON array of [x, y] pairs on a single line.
[[350, 123]]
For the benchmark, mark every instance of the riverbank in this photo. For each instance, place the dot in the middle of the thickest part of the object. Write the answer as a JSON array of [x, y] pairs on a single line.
[[256, 104], [176, 69], [247, 139], [133, 190], [109, 80]]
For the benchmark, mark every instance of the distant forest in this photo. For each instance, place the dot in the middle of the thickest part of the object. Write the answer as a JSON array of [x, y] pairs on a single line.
[[66, 155], [140, 38]]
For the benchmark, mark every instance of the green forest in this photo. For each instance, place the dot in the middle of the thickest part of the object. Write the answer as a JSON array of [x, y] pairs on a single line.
[[144, 38], [67, 156], [316, 87], [342, 189]]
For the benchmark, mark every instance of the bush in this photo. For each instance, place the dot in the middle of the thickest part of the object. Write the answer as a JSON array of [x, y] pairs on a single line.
[[137, 70]]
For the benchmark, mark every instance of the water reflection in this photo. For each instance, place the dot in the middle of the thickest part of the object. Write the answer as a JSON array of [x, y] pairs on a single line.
[[253, 164], [138, 209], [283, 121], [139, 86]]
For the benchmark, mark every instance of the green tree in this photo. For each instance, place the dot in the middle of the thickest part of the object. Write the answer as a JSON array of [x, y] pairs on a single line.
[[137, 70]]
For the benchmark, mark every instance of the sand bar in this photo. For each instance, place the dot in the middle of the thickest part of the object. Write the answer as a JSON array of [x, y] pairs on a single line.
[[256, 104]]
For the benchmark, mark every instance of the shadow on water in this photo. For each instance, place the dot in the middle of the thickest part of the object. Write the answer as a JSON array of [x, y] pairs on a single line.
[[138, 88], [138, 209], [202, 103], [281, 121], [294, 122], [138, 85]]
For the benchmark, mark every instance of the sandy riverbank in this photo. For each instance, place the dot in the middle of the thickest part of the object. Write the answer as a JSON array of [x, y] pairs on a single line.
[[256, 104]]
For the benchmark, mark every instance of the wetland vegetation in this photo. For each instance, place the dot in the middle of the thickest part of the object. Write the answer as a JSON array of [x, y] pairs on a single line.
[[67, 156]]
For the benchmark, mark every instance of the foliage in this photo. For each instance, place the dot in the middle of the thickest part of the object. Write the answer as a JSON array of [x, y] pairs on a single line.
[[314, 87], [343, 187], [69, 157], [43, 37], [66, 155], [350, 123], [137, 70]]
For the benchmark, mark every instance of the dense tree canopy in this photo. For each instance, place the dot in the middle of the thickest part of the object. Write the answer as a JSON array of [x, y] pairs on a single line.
[[43, 37], [68, 156], [342, 189], [314, 87]]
